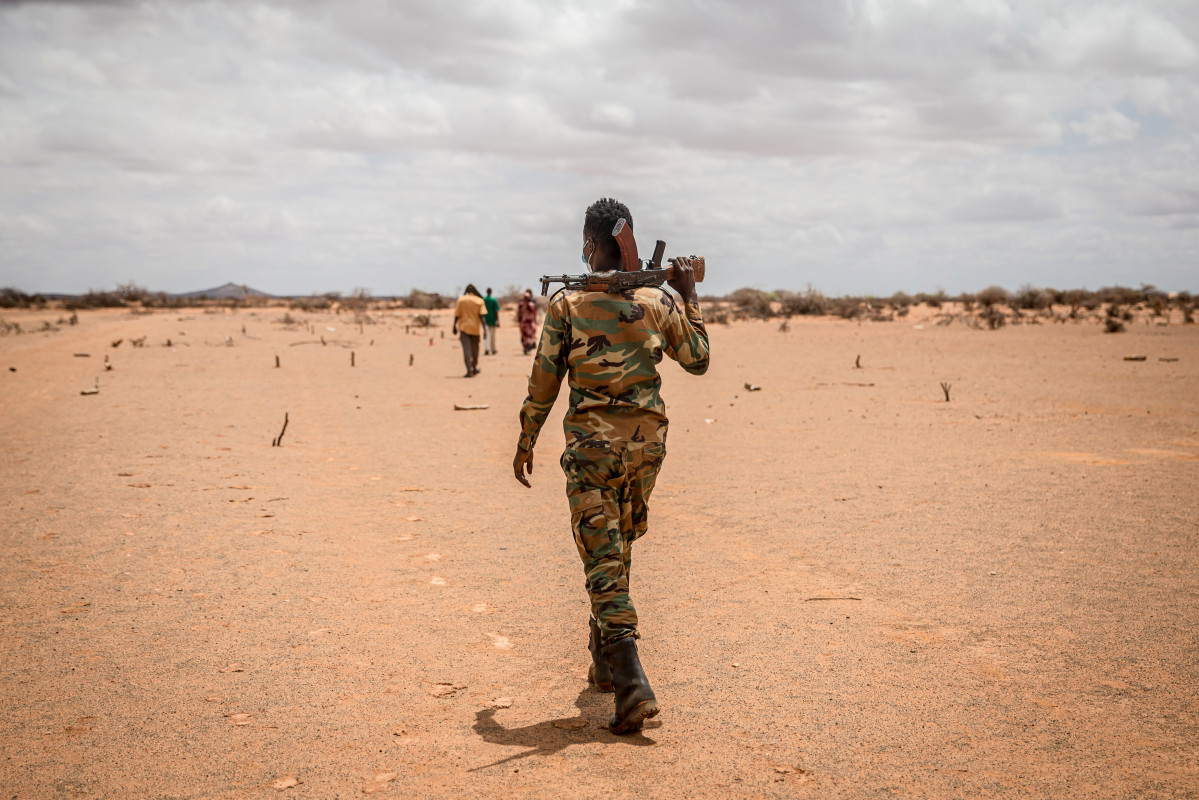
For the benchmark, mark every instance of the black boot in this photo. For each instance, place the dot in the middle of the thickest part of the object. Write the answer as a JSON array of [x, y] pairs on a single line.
[[598, 673], [635, 701]]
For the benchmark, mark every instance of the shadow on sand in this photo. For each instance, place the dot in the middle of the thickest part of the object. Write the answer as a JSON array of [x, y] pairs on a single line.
[[554, 735]]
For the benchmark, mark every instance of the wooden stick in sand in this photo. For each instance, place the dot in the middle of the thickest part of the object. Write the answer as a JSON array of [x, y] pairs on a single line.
[[278, 440]]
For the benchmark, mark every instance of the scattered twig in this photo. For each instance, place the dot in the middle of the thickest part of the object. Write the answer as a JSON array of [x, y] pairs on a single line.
[[752, 387], [278, 440], [276, 362], [1167, 360], [945, 388], [96, 390], [351, 358], [471, 408], [411, 358], [857, 362], [811, 599], [1134, 358]]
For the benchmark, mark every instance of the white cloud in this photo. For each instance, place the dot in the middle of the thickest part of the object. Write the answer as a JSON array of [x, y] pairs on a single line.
[[614, 114], [1108, 126], [863, 146]]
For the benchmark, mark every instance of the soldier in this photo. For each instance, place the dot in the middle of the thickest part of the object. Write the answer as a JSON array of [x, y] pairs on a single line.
[[610, 346]]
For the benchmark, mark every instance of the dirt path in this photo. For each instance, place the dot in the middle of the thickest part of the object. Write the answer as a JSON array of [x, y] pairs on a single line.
[[376, 605]]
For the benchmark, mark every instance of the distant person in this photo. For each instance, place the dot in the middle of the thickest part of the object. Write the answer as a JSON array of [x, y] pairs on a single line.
[[608, 348], [492, 320], [468, 324], [526, 315]]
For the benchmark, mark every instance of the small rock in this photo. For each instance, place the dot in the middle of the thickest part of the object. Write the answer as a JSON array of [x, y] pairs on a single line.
[[286, 783], [570, 724]]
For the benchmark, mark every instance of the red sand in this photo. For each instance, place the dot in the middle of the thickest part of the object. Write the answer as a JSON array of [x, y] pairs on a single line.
[[377, 605]]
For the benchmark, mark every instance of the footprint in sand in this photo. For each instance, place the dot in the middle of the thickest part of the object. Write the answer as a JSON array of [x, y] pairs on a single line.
[[437, 581], [500, 642]]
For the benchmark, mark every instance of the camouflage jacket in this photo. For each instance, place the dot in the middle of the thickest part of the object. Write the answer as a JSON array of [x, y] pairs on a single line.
[[610, 345]]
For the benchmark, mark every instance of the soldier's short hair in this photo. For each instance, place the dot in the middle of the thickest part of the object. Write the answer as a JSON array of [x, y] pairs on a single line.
[[599, 221]]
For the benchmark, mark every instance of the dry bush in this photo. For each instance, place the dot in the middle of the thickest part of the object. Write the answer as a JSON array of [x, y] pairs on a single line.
[[426, 300], [95, 299], [753, 303], [847, 307], [1186, 304], [1075, 299], [1120, 295], [992, 296], [932, 300], [1113, 325], [1031, 298], [358, 301], [12, 298], [809, 302], [315, 302], [993, 317]]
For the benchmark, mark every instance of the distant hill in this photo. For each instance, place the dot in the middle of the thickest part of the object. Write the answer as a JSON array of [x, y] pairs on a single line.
[[228, 291]]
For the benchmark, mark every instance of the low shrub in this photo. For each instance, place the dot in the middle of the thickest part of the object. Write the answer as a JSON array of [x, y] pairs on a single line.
[[992, 296], [426, 300], [753, 303], [809, 302]]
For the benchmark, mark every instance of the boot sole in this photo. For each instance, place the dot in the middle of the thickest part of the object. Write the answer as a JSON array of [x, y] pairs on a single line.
[[635, 719]]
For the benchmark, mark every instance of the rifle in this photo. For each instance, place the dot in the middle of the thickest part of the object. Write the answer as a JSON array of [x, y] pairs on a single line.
[[635, 273]]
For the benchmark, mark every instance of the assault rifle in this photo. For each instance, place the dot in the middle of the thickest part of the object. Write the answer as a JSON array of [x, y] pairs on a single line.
[[635, 272]]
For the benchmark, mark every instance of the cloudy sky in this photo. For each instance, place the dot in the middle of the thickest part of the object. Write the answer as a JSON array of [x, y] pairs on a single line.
[[860, 146]]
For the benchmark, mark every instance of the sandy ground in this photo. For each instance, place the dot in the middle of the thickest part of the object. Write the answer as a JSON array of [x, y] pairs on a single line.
[[377, 606]]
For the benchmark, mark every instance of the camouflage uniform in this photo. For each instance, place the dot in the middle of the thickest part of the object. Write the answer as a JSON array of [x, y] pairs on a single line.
[[610, 345]]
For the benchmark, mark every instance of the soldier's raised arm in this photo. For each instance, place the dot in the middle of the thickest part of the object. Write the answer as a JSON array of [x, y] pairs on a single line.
[[685, 332]]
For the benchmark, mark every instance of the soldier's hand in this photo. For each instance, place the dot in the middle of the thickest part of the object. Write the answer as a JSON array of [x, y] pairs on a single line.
[[523, 461], [683, 281]]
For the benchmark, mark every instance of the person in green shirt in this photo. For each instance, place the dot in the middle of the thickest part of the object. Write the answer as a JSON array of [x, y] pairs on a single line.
[[492, 320]]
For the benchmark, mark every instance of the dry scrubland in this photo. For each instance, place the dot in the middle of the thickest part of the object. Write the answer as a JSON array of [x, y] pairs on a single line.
[[851, 587]]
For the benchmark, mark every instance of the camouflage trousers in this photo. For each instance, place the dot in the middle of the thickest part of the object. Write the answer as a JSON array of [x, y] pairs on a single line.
[[608, 485]]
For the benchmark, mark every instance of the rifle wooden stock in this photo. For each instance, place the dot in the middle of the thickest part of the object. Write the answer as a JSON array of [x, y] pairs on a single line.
[[629, 261], [697, 269]]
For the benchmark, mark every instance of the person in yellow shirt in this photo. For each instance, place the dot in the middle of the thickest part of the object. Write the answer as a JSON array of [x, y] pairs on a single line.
[[468, 324]]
